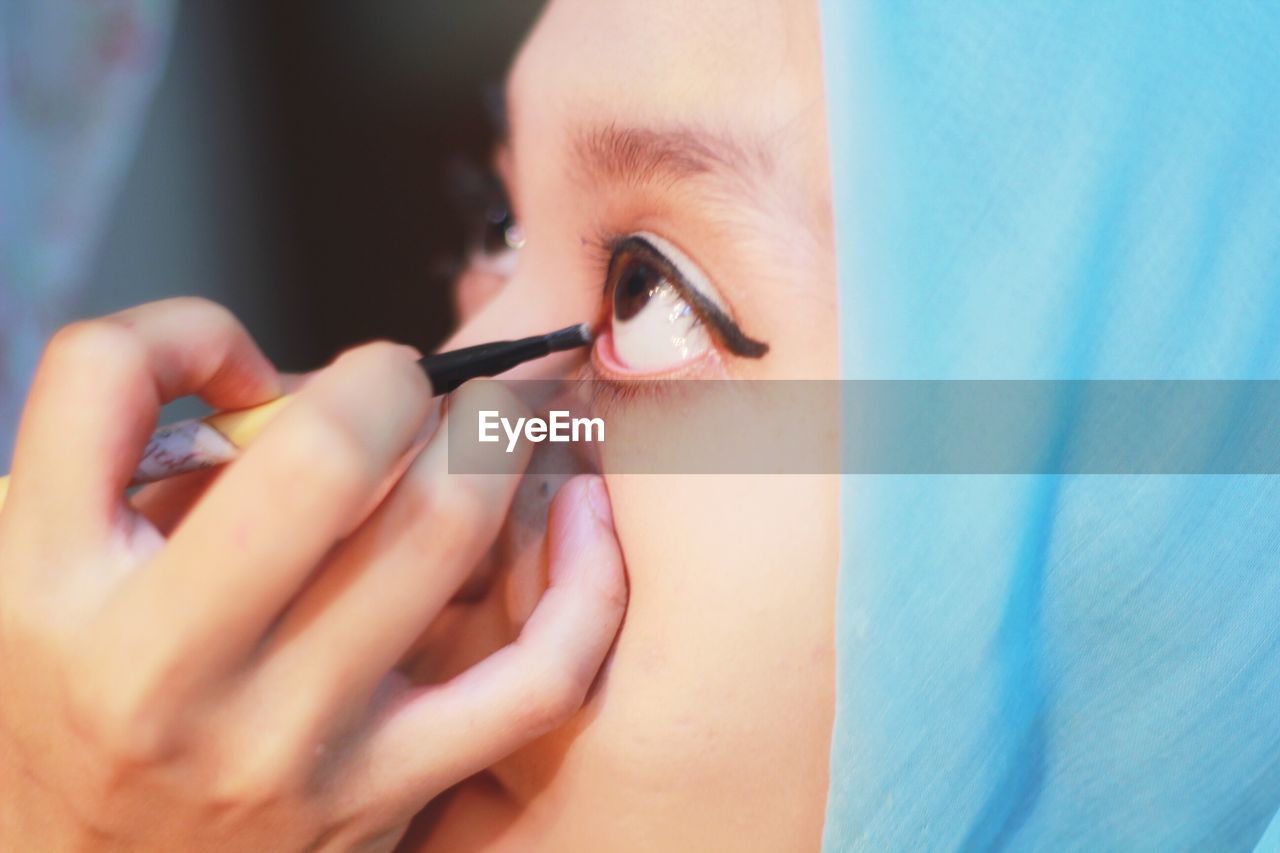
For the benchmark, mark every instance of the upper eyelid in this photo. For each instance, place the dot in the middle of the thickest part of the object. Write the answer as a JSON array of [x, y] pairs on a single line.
[[690, 273]]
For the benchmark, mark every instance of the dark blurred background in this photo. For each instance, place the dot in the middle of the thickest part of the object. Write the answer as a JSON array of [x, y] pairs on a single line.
[[295, 166]]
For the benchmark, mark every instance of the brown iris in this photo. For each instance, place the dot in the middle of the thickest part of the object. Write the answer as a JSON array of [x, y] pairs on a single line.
[[635, 283]]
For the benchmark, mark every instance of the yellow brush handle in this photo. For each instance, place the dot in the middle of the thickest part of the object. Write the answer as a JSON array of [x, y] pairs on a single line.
[[238, 427], [242, 426]]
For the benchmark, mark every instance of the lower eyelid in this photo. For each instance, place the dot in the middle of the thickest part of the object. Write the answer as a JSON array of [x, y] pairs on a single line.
[[602, 363], [607, 395]]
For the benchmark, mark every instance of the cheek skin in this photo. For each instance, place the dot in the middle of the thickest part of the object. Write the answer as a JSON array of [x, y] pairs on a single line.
[[712, 726]]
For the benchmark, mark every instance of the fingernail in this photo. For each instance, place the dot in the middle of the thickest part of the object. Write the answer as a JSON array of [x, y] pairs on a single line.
[[598, 499]]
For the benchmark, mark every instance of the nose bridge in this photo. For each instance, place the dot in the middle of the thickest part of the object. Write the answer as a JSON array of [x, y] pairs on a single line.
[[527, 304]]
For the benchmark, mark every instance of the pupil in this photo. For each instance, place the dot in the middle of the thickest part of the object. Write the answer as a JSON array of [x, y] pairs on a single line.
[[634, 289]]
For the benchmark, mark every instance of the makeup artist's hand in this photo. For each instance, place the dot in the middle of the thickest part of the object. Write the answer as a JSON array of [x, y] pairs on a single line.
[[211, 666]]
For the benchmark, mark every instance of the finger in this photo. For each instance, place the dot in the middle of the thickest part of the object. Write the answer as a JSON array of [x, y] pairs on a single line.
[[439, 735], [385, 584], [96, 395], [293, 382], [244, 551], [167, 502]]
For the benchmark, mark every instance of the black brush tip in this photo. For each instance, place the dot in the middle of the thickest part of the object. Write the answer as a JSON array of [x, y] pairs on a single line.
[[570, 338]]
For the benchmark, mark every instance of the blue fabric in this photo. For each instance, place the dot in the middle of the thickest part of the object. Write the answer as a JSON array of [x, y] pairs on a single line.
[[1057, 190]]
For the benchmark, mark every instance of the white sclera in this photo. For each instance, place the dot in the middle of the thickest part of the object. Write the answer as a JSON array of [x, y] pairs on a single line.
[[665, 334], [667, 331]]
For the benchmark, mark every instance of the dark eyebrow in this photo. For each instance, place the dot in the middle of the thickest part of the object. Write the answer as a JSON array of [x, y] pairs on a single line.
[[647, 155]]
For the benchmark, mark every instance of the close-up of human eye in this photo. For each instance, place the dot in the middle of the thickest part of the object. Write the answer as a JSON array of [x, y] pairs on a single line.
[[663, 312]]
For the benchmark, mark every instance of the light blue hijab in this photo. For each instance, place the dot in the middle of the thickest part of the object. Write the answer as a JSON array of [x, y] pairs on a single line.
[[1057, 191]]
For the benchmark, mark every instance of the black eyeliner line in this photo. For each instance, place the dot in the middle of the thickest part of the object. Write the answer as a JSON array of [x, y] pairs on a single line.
[[731, 335]]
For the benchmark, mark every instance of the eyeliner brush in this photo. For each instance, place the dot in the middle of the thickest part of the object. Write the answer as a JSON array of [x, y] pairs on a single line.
[[448, 370], [215, 440]]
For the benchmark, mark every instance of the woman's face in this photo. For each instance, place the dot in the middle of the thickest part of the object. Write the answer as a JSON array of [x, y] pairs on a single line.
[[700, 125]]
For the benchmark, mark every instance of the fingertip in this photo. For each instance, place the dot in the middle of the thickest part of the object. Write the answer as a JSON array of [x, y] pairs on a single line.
[[98, 390], [381, 374], [194, 345], [247, 378], [583, 541]]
